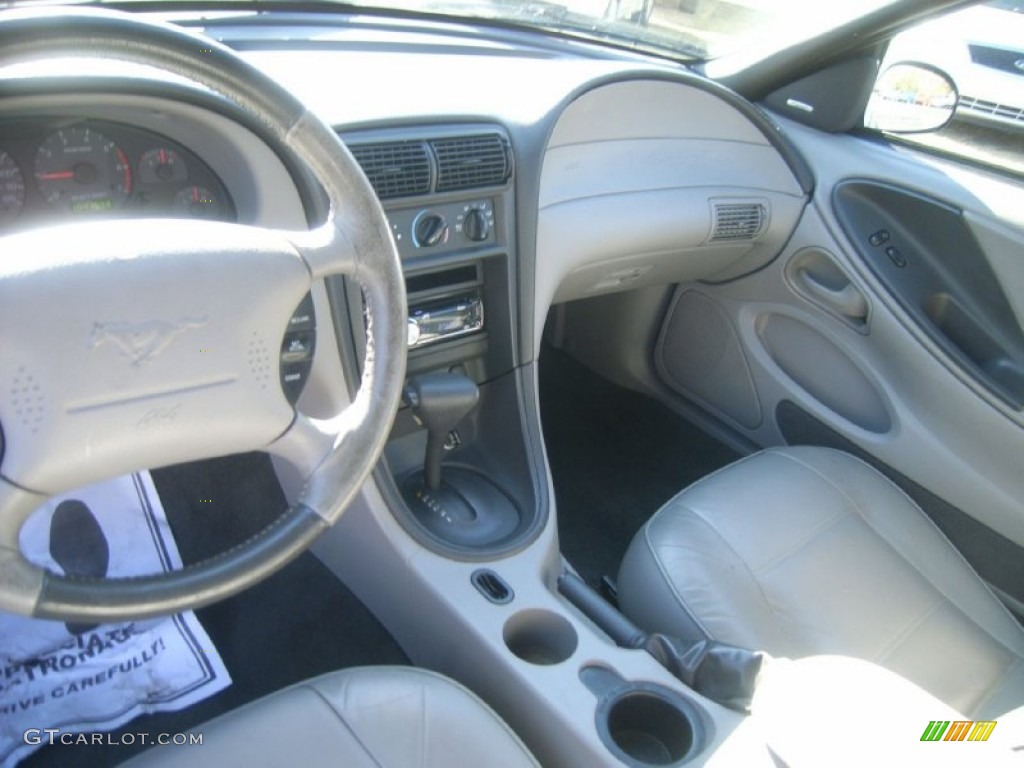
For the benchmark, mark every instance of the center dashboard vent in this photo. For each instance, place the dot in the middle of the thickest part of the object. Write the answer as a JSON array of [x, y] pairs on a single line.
[[411, 167], [395, 168], [737, 221], [465, 162]]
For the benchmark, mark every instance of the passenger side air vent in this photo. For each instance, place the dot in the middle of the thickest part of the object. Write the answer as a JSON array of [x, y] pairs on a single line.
[[737, 221], [466, 162], [395, 168]]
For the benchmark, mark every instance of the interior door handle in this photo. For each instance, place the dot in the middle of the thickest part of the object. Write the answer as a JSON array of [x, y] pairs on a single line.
[[848, 301], [815, 275]]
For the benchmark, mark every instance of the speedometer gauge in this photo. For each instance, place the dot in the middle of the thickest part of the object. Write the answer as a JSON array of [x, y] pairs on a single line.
[[12, 188], [80, 170]]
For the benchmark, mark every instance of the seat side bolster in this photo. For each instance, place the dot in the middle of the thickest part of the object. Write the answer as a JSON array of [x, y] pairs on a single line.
[[645, 588], [680, 559], [433, 711]]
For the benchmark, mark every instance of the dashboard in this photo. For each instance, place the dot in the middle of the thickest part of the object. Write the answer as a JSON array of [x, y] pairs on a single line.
[[62, 167], [539, 177], [546, 178]]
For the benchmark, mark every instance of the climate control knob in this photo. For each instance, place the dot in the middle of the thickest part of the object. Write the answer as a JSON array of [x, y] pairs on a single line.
[[476, 226], [429, 229]]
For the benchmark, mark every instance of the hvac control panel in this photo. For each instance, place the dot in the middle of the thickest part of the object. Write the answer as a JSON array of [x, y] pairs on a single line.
[[442, 228]]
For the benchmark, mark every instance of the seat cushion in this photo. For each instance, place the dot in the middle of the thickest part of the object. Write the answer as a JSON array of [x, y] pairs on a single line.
[[384, 717], [806, 551]]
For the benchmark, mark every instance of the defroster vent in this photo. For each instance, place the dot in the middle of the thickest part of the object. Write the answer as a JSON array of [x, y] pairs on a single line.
[[737, 221], [395, 168], [466, 162]]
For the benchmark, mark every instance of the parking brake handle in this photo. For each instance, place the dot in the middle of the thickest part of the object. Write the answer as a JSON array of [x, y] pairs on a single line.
[[726, 674]]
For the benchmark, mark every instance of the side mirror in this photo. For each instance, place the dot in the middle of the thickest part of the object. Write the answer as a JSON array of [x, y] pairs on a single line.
[[910, 97]]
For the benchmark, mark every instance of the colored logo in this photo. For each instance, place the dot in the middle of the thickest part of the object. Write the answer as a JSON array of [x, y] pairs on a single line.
[[958, 730]]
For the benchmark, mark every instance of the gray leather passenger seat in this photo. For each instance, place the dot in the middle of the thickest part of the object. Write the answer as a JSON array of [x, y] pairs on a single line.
[[807, 551]]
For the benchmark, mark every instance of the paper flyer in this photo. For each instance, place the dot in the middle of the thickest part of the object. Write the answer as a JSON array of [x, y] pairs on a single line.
[[87, 679]]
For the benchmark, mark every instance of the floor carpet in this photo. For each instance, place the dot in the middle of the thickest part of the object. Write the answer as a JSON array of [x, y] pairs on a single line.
[[298, 623], [616, 456]]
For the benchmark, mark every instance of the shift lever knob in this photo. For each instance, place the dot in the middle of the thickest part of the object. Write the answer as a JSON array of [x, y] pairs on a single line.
[[439, 401]]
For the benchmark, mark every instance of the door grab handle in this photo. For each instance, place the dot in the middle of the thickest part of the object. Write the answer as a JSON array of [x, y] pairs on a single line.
[[847, 301]]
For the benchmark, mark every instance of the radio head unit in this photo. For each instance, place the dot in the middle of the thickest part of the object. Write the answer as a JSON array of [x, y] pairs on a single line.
[[442, 319]]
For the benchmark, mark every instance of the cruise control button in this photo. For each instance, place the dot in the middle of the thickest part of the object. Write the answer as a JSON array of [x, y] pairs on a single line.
[[293, 379], [895, 256], [297, 347], [303, 319]]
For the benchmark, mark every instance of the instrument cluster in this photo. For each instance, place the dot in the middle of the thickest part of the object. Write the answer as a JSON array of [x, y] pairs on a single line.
[[57, 168]]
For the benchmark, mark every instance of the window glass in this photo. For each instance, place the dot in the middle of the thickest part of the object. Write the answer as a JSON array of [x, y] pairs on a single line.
[[982, 49]]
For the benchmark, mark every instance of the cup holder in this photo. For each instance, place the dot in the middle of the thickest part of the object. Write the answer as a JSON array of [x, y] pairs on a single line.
[[644, 724], [649, 729], [540, 637]]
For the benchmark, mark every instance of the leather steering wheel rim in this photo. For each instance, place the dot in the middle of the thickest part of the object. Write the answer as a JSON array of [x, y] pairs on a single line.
[[335, 455]]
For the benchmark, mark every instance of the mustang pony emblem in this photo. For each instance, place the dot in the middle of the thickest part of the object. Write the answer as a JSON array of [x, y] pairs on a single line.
[[142, 341]]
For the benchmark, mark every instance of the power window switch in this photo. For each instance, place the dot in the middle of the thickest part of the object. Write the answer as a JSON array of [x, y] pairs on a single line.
[[896, 257]]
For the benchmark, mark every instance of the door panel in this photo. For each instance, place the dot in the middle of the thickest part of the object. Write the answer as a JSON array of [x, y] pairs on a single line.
[[815, 275], [909, 382], [1004, 246], [927, 257]]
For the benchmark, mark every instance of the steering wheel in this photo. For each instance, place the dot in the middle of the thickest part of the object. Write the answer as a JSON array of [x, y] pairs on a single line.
[[75, 410]]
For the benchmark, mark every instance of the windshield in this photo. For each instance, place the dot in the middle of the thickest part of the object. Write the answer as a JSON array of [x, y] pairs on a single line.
[[699, 29], [687, 29]]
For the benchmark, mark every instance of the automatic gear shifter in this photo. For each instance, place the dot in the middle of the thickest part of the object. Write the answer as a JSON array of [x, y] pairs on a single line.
[[461, 506], [439, 401]]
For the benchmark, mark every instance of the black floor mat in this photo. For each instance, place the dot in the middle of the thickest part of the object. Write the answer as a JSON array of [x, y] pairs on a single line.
[[616, 456], [298, 623]]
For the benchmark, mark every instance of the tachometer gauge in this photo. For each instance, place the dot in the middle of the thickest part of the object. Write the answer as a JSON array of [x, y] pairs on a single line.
[[12, 188], [198, 202], [162, 166], [80, 170]]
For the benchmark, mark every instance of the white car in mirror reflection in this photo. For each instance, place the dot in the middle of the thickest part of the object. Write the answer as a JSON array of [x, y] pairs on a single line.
[[982, 49]]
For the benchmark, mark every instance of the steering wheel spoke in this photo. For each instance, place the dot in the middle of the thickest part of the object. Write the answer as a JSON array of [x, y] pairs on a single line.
[[325, 249], [20, 581], [307, 442]]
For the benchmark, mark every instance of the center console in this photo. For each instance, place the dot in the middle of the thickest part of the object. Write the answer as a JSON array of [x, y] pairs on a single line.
[[458, 478], [451, 544]]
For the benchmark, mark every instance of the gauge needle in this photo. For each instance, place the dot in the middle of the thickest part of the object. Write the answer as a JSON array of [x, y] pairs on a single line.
[[56, 175]]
